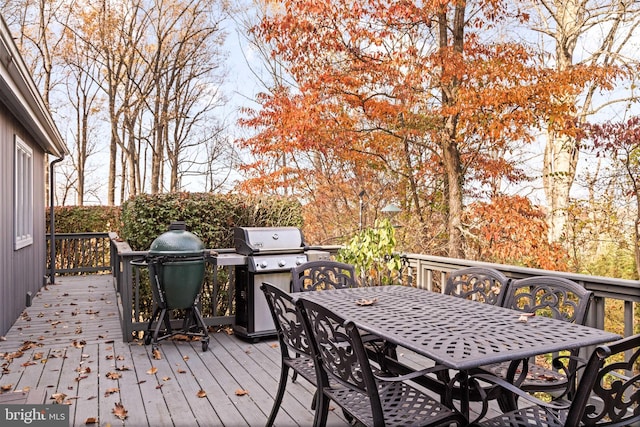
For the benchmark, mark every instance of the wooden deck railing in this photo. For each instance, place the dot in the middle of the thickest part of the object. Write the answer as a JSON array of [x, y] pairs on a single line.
[[423, 271], [80, 253], [429, 272]]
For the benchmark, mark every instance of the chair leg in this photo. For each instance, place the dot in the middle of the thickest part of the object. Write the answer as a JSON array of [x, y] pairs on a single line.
[[322, 409], [507, 402], [284, 372]]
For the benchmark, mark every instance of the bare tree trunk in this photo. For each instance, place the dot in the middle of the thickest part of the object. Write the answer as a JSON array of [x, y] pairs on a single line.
[[451, 160], [566, 21], [559, 170], [448, 143]]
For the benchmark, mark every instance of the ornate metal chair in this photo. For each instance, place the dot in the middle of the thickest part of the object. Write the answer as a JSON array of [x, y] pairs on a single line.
[[326, 274], [323, 274], [481, 284], [294, 346], [548, 296], [608, 393], [345, 376]]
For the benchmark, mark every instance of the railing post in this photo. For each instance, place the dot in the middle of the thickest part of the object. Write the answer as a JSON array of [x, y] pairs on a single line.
[[126, 298]]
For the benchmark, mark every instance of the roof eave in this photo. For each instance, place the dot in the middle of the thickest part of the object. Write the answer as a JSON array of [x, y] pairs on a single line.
[[20, 94]]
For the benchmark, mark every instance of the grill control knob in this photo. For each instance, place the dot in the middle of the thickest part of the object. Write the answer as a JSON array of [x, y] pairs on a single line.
[[263, 264], [282, 263]]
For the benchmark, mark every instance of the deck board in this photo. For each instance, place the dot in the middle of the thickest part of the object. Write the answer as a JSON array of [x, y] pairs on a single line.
[[74, 325]]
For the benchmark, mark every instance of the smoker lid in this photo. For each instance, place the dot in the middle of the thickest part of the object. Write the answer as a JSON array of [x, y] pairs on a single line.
[[252, 240], [177, 243]]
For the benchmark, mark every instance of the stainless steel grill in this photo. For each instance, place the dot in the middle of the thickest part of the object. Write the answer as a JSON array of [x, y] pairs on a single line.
[[271, 254]]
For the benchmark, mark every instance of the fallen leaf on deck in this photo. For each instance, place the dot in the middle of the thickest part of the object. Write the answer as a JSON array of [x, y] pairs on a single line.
[[181, 337], [109, 356], [110, 391], [113, 375], [152, 371], [201, 394], [79, 344], [6, 387], [10, 356], [28, 345], [185, 358], [156, 354], [119, 411], [90, 420], [182, 371], [166, 378], [119, 357], [123, 368], [159, 386], [58, 397], [241, 392], [274, 345]]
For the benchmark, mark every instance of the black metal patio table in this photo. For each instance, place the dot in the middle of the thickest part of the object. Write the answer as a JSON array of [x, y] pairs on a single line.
[[457, 333]]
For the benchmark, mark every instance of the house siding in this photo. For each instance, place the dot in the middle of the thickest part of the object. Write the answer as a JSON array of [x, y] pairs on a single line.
[[22, 270]]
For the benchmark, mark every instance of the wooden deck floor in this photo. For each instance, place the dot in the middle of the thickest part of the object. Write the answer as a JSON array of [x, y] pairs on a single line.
[[69, 342]]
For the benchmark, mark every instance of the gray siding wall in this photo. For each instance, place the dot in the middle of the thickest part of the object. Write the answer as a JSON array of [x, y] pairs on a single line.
[[23, 270]]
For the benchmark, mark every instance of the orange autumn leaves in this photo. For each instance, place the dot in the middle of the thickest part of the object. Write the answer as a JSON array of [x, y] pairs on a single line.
[[405, 100], [510, 230]]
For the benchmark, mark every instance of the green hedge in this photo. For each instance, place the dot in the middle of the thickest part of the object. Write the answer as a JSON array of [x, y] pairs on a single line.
[[210, 216], [85, 219]]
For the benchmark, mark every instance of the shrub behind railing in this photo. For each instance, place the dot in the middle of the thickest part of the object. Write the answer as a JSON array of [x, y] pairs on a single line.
[[85, 219], [209, 216]]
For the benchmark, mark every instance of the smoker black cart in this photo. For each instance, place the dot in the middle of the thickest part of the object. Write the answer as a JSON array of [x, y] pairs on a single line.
[[176, 262]]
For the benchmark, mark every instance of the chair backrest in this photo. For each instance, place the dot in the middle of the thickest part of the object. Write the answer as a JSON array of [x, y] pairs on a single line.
[[323, 274], [609, 392], [481, 284], [339, 354], [287, 321], [555, 297]]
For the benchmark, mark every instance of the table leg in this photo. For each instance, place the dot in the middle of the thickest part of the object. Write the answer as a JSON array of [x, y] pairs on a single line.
[[464, 394]]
